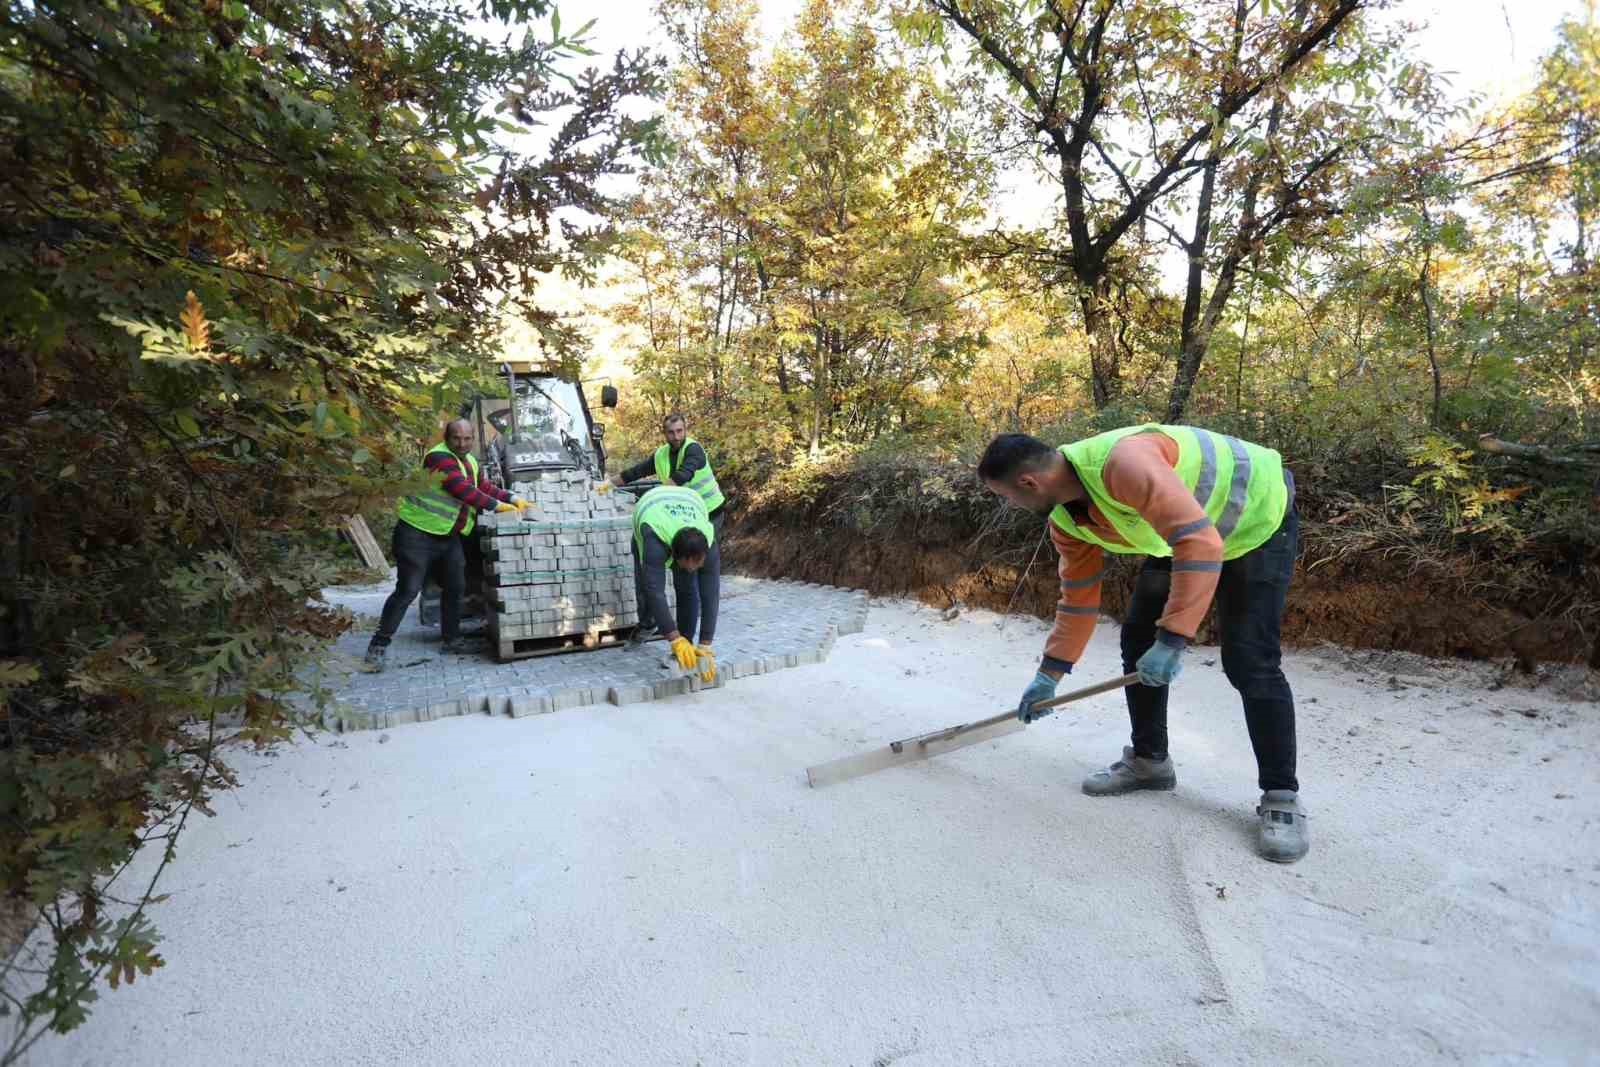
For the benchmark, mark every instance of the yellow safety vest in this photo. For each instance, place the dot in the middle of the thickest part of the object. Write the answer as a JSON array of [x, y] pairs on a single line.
[[703, 482], [435, 511], [1240, 485]]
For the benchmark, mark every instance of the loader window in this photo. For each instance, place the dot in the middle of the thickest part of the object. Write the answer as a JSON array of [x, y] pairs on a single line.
[[549, 415]]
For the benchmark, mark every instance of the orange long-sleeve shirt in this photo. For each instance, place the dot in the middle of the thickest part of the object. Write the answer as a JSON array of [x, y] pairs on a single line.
[[1139, 473]]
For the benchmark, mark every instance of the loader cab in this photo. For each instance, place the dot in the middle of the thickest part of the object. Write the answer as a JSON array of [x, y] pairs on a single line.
[[544, 423]]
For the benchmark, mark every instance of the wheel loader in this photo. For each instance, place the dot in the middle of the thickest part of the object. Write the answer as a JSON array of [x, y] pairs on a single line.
[[558, 578]]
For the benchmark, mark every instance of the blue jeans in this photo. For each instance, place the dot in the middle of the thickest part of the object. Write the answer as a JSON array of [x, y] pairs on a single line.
[[1250, 599], [415, 553]]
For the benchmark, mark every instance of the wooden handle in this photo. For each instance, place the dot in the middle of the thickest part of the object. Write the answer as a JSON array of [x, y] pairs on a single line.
[[1054, 702]]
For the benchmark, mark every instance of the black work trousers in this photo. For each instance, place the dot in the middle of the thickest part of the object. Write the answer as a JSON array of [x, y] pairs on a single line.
[[415, 553], [1250, 599]]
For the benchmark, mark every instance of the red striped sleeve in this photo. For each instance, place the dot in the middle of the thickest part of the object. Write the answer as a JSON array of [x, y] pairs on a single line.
[[455, 482]]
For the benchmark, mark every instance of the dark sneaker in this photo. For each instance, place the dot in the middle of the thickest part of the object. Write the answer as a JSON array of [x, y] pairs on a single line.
[[374, 657], [1284, 834], [1130, 773]]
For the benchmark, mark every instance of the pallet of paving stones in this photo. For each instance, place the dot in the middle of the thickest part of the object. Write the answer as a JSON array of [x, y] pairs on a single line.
[[561, 578]]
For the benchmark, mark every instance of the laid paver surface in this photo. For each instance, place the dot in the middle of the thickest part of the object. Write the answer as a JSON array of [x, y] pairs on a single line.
[[764, 626]]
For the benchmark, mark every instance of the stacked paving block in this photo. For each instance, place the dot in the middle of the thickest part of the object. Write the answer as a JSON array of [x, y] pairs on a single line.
[[562, 576]]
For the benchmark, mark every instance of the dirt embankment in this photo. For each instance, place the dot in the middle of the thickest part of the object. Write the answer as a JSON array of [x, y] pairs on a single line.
[[955, 549]]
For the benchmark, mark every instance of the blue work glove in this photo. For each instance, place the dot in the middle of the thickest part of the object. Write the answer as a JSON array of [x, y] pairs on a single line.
[[1161, 664], [1043, 687]]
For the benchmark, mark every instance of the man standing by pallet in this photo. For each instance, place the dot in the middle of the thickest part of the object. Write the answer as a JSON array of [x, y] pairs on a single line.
[[428, 532], [1216, 518], [672, 529], [681, 461]]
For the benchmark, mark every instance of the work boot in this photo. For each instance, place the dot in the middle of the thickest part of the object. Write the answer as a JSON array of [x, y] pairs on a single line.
[[1129, 773], [1285, 835], [374, 657]]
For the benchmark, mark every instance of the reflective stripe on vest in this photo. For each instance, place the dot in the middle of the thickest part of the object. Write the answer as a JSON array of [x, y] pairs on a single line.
[[435, 511], [666, 511], [703, 481], [1239, 485]]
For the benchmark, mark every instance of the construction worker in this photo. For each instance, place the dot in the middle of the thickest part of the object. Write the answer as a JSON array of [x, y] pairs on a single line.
[[1216, 518], [672, 529], [680, 461], [429, 532]]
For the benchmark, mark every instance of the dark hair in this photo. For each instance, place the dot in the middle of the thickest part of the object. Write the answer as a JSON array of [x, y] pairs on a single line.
[[689, 543], [1012, 454], [676, 416]]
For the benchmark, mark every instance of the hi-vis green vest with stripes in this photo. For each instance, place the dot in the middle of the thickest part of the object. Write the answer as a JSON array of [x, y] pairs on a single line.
[[435, 511], [703, 482], [1240, 486], [666, 511]]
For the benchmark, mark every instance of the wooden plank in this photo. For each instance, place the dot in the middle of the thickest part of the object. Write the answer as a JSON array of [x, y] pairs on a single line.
[[881, 759], [529, 647], [915, 749], [366, 546]]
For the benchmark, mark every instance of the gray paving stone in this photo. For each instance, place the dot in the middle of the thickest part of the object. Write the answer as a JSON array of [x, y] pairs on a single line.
[[765, 626]]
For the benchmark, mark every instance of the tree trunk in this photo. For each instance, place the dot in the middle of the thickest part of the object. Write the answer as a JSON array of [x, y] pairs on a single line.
[[1105, 357], [1424, 284]]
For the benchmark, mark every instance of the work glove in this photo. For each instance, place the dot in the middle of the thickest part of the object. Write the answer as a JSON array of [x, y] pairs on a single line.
[[520, 504], [1160, 665], [683, 648], [1043, 687], [604, 487], [502, 507], [706, 661]]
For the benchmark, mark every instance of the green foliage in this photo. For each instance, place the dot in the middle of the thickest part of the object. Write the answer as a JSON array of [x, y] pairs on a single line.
[[248, 252], [793, 266]]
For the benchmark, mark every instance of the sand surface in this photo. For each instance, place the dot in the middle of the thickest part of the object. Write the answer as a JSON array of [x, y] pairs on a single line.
[[656, 884]]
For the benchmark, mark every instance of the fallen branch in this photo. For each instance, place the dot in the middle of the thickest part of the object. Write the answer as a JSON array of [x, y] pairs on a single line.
[[1542, 453]]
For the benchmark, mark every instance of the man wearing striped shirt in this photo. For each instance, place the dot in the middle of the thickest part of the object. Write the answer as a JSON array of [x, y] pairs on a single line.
[[428, 533], [1215, 518]]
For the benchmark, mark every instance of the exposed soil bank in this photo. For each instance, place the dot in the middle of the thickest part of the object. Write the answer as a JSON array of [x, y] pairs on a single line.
[[1368, 601]]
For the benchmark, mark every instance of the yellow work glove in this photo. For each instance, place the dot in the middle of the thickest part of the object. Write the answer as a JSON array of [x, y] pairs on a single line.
[[521, 504], [684, 650], [502, 508], [706, 660], [604, 487]]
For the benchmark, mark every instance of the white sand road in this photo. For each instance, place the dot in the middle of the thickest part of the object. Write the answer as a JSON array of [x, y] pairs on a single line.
[[656, 884]]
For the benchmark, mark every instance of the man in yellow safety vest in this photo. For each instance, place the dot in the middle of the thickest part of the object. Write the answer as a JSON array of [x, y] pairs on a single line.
[[429, 532], [671, 531], [680, 461], [1215, 518]]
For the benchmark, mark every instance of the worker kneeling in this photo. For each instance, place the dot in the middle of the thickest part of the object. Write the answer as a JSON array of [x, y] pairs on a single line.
[[672, 530]]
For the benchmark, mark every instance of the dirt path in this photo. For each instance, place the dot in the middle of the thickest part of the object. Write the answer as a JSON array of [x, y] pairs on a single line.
[[655, 884]]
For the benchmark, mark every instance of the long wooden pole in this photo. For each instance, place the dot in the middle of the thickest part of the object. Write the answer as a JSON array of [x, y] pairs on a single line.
[[921, 747]]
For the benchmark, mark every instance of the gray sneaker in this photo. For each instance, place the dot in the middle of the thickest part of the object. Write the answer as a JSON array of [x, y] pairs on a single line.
[[1285, 835], [1129, 773], [374, 658]]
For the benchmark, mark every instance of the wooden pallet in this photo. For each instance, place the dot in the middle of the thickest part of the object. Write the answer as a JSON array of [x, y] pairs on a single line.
[[355, 528], [528, 647]]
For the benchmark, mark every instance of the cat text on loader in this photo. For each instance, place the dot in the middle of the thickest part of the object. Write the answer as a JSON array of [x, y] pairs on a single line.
[[558, 578]]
